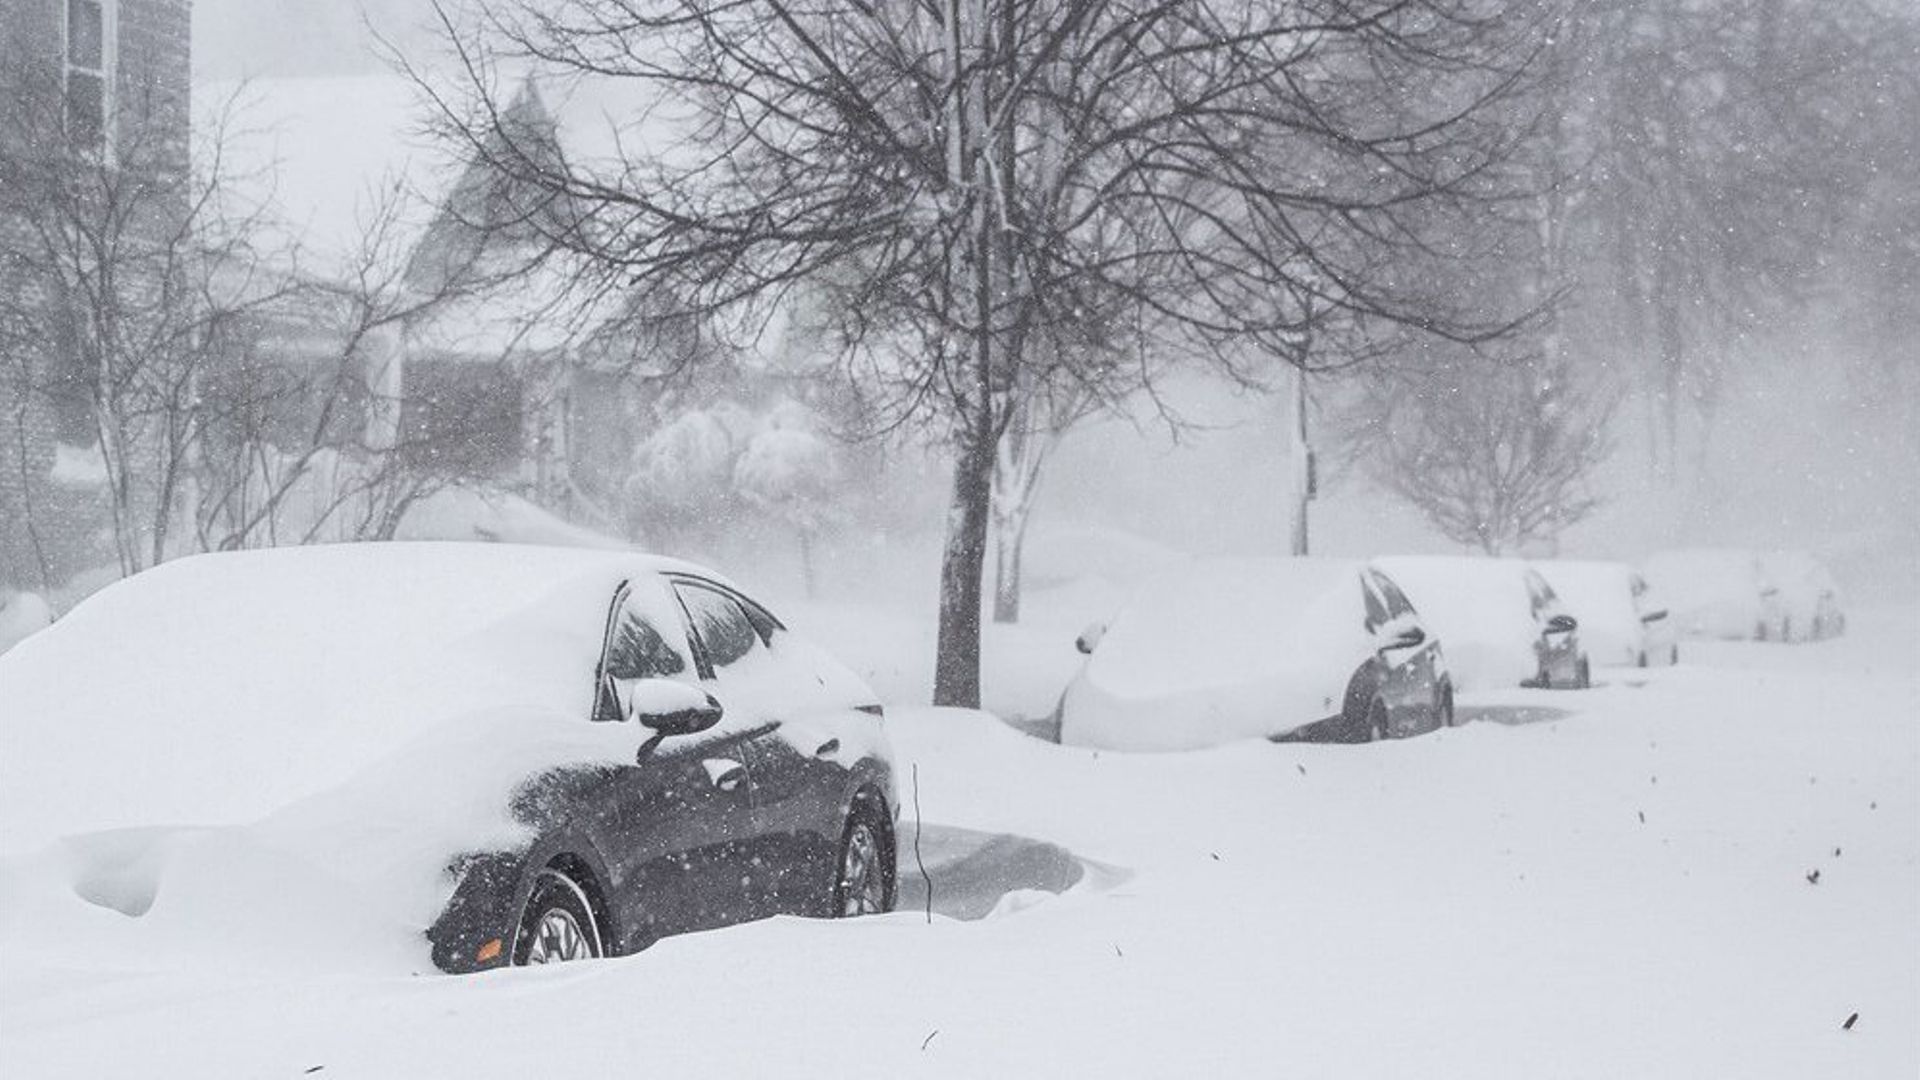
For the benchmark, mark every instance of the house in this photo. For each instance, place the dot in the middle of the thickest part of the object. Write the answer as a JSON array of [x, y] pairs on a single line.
[[496, 375], [94, 89]]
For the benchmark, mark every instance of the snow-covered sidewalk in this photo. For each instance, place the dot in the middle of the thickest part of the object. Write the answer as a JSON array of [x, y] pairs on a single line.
[[1702, 871]]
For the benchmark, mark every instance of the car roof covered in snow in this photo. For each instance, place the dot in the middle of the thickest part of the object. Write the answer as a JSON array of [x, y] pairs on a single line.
[[1215, 621], [216, 688]]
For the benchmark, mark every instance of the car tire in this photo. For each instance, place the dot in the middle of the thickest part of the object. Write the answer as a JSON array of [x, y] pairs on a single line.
[[1447, 718], [558, 923], [862, 880], [1583, 674], [1642, 659], [1673, 654]]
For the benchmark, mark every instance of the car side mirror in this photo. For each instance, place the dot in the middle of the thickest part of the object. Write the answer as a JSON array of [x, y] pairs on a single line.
[[1562, 624], [1654, 616], [668, 707], [1089, 638]]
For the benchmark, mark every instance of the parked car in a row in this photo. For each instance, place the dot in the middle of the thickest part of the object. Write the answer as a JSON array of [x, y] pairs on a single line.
[[1622, 622], [1501, 622], [499, 754], [1226, 649], [1809, 598], [1737, 594], [1216, 650]]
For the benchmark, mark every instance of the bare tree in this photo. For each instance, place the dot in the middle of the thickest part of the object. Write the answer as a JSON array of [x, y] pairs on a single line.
[[949, 176], [121, 257], [227, 397], [1496, 454]]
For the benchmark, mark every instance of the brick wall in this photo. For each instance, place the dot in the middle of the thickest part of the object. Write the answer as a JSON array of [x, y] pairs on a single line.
[[50, 529]]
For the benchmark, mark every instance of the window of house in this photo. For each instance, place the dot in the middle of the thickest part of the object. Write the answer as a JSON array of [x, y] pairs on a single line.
[[88, 62]]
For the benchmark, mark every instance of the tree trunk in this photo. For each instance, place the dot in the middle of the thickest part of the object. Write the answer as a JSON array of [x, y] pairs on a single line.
[[956, 673], [956, 676], [1010, 538]]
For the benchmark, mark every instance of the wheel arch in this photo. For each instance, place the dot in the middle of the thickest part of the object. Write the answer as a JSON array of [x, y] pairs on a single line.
[[593, 888]]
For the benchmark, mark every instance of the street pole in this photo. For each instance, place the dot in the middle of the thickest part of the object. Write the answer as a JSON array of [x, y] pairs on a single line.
[[1300, 455]]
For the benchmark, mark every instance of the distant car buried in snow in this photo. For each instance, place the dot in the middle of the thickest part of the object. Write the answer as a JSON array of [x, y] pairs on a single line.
[[21, 614], [1718, 593], [1621, 620], [500, 754], [1809, 598], [1501, 622], [1215, 651]]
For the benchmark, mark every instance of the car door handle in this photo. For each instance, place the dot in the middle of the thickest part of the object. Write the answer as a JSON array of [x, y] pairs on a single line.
[[725, 773]]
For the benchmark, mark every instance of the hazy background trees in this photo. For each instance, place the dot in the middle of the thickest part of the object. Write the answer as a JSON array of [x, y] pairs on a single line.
[[1635, 222]]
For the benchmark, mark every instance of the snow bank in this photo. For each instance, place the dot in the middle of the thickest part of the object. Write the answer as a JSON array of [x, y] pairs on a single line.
[[233, 685], [1627, 890], [460, 513]]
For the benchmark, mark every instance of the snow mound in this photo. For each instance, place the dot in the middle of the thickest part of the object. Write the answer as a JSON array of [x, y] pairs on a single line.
[[215, 689]]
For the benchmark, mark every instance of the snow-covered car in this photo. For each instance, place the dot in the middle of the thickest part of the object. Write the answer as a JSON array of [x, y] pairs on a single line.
[[1214, 651], [1621, 620], [1717, 593], [21, 614], [1809, 598], [490, 754], [1501, 623]]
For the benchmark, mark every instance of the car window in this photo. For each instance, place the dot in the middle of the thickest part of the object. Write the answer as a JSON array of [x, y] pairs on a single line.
[[636, 648], [1539, 593], [645, 639], [1376, 608], [1397, 603], [719, 622]]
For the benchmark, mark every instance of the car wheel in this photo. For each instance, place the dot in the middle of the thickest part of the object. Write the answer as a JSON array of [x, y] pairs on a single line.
[[1673, 654], [1446, 705], [1642, 659], [861, 884], [1583, 675], [558, 923]]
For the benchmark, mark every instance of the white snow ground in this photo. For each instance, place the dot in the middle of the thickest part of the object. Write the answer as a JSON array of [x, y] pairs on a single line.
[[1605, 883]]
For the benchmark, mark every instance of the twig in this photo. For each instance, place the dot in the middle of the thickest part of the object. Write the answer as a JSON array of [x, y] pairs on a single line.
[[918, 861]]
